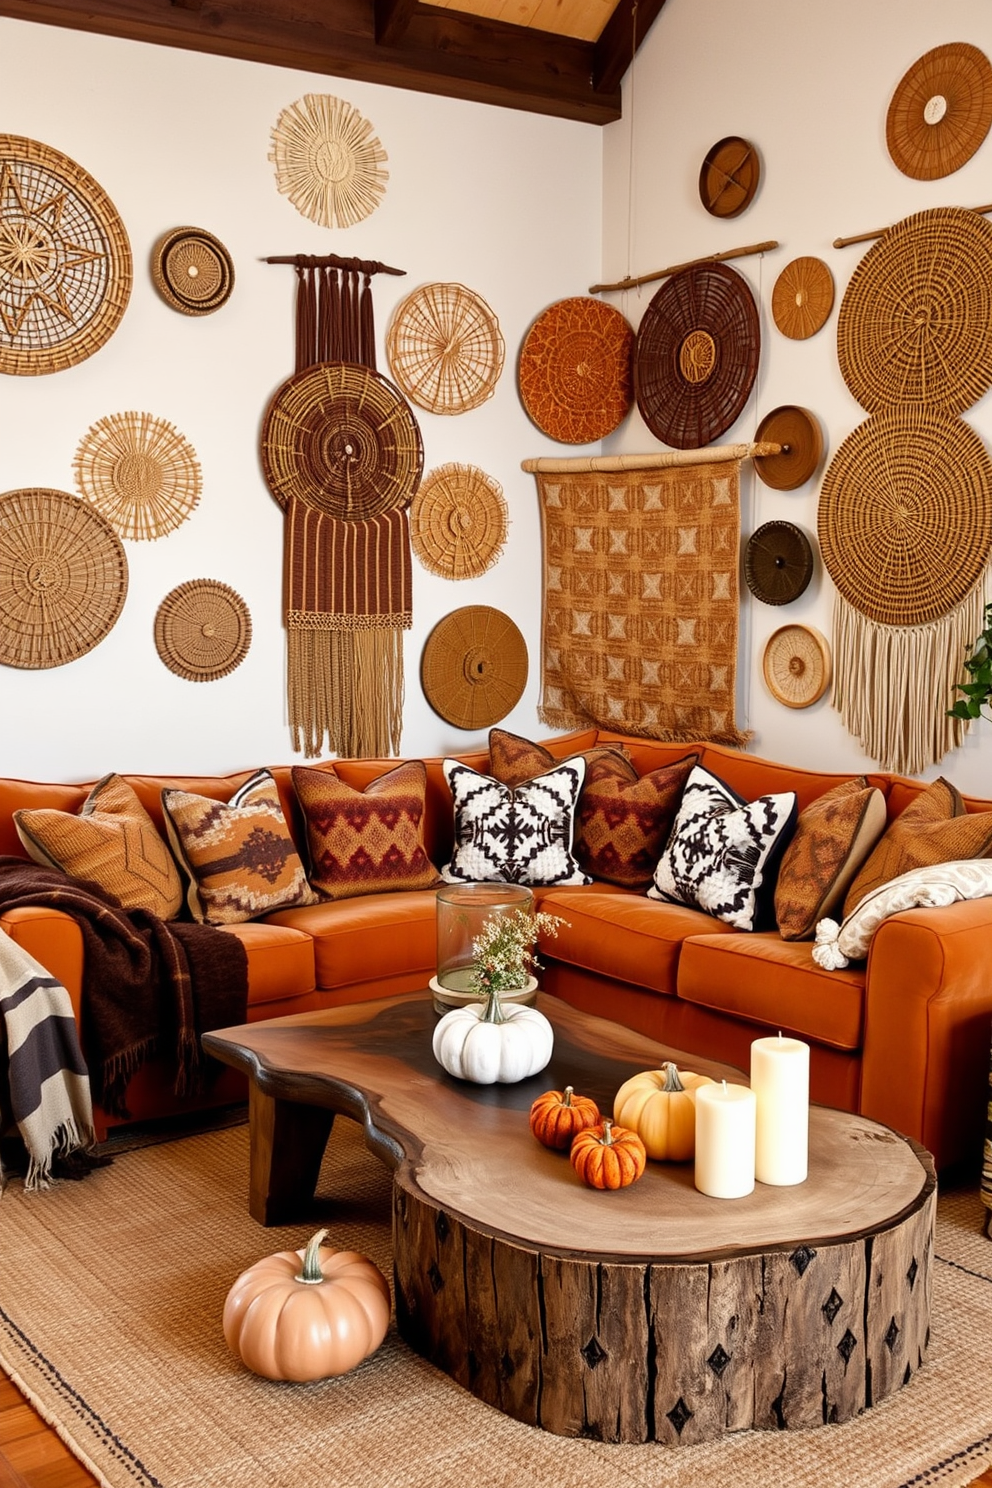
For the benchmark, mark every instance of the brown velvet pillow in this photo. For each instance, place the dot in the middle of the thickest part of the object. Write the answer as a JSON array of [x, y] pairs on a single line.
[[512, 760], [935, 828], [833, 837], [370, 841], [623, 820], [113, 843]]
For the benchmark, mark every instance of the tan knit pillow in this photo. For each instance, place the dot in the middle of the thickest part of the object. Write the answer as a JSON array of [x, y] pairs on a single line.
[[239, 855], [113, 843], [935, 828], [833, 837]]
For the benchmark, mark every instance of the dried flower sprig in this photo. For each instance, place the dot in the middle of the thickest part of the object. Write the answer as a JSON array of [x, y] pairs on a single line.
[[503, 950]]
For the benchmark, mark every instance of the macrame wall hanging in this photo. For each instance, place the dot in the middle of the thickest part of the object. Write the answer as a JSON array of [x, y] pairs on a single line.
[[342, 454]]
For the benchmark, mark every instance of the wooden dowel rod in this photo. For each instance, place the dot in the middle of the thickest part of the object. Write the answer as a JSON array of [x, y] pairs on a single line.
[[332, 261], [689, 264], [867, 237]]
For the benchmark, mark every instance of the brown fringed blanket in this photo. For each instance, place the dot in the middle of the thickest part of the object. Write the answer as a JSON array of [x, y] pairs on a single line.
[[149, 987]]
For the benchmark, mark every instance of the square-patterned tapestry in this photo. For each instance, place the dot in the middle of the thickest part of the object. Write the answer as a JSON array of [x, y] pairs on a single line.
[[641, 600]]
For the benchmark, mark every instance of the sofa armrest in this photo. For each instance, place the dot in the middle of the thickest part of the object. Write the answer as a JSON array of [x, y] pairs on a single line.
[[53, 938], [928, 1022]]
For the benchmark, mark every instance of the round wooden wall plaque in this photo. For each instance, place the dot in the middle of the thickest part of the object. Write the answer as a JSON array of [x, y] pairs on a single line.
[[729, 177]]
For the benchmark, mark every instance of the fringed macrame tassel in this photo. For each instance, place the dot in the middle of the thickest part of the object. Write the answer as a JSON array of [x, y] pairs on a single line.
[[306, 317], [367, 321], [893, 684], [345, 686]]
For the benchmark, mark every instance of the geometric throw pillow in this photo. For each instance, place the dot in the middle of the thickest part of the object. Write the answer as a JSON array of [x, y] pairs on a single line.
[[512, 760], [366, 842], [623, 820], [833, 837], [723, 851], [521, 834], [239, 855], [935, 828], [113, 843]]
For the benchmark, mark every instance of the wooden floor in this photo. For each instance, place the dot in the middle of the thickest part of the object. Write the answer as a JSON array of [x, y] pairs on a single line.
[[32, 1456]]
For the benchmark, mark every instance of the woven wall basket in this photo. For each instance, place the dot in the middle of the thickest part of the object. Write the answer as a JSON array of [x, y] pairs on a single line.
[[696, 355], [445, 348], [341, 438], [778, 563], [328, 160], [915, 322], [803, 298], [940, 111], [458, 522], [576, 373], [63, 578], [192, 270], [796, 665], [905, 515], [202, 630], [139, 472], [65, 260], [474, 667]]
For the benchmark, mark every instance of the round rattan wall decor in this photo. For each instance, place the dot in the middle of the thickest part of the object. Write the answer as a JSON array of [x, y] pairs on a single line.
[[192, 270], [458, 522], [445, 348], [65, 260], [915, 322], [696, 355], [796, 665], [905, 515], [778, 562], [474, 667], [729, 177], [798, 432], [940, 111], [803, 298], [63, 578], [328, 160], [139, 472], [202, 630], [341, 438], [575, 373]]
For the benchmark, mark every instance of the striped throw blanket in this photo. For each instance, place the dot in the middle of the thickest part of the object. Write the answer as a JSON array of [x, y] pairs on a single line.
[[44, 1086]]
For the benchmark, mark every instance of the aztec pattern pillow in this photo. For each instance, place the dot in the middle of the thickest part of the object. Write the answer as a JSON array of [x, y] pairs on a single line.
[[512, 760], [519, 835], [723, 851], [623, 820], [113, 843], [366, 842], [833, 837], [930, 887], [239, 855], [935, 828]]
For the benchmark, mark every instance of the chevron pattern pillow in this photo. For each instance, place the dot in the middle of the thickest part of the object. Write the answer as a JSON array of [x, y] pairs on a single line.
[[522, 834], [723, 853]]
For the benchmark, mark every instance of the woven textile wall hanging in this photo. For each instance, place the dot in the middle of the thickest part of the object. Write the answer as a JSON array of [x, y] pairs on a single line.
[[641, 558], [342, 454]]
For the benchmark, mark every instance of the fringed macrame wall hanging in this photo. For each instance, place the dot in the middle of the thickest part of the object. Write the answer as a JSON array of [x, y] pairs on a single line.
[[343, 456]]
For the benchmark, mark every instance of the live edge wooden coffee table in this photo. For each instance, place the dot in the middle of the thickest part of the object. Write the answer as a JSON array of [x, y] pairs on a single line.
[[650, 1313]]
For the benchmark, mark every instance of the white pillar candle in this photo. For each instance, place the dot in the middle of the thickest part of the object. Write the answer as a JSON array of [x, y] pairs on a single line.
[[780, 1081], [725, 1126]]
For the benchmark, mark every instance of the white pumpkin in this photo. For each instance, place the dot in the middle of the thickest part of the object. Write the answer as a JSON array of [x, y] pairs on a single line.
[[490, 1043]]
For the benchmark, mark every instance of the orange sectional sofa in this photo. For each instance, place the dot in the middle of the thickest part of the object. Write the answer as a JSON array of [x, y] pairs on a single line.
[[902, 1037]]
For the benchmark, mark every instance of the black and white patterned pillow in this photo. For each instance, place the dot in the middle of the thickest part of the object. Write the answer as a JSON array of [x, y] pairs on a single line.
[[723, 851], [520, 835]]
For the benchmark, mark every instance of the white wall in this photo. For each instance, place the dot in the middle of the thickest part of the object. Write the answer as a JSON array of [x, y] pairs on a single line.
[[503, 202], [810, 86]]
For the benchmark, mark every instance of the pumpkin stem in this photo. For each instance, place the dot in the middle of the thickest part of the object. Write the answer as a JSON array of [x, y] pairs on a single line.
[[607, 1132], [672, 1081], [567, 1094], [310, 1273], [493, 1010]]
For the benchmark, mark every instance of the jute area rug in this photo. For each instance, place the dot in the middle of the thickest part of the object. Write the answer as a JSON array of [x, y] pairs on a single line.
[[111, 1293]]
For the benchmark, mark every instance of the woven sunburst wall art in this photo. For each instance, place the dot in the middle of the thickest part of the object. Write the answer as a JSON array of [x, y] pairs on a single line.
[[139, 472], [458, 522], [328, 160]]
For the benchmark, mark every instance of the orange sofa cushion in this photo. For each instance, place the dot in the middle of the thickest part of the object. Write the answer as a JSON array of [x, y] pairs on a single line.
[[371, 938]]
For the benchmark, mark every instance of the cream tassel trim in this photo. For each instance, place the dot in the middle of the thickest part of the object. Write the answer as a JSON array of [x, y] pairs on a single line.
[[894, 683]]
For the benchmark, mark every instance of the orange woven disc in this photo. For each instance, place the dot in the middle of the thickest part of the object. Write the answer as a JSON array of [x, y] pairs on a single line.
[[576, 370]]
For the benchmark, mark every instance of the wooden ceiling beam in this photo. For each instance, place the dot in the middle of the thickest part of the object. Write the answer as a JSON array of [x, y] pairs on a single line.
[[620, 38], [432, 50]]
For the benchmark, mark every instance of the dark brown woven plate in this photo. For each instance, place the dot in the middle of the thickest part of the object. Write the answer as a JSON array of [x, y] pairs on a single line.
[[474, 667], [192, 270], [778, 562], [799, 433], [729, 177], [696, 355], [342, 438], [575, 373]]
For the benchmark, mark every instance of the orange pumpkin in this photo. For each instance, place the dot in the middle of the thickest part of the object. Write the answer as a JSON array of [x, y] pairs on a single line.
[[660, 1105], [557, 1116], [608, 1156], [293, 1322]]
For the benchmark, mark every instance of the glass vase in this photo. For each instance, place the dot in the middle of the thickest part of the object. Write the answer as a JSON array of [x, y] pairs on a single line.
[[462, 910]]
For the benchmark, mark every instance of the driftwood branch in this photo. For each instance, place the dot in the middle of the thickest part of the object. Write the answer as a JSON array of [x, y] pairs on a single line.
[[630, 283], [868, 236], [332, 261]]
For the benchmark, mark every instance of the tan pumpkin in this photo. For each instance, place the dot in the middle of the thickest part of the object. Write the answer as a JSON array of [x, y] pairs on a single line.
[[559, 1115], [608, 1156], [289, 1321], [660, 1105]]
